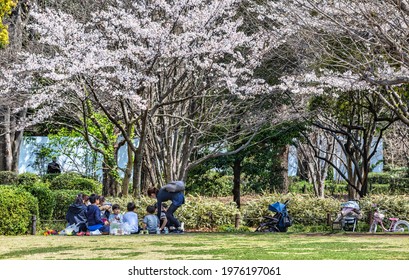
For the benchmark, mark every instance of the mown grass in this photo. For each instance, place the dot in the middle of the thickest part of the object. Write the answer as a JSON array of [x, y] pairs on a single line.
[[208, 246]]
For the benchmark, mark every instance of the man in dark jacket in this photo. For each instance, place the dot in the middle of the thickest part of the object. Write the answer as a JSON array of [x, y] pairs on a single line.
[[53, 167], [177, 198]]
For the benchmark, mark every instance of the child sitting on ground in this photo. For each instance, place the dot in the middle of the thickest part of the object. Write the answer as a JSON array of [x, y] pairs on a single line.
[[130, 218], [94, 216], [115, 221], [116, 215], [151, 221]]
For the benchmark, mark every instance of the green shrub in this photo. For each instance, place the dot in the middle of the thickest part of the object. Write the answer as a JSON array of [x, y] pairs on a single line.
[[300, 187], [379, 188], [211, 183], [396, 205], [63, 199], [45, 197], [379, 178], [305, 209], [308, 212], [27, 179], [202, 212], [16, 209], [8, 177], [74, 181], [399, 185]]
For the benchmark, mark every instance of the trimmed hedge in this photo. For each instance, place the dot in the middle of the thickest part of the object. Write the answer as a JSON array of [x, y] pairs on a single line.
[[16, 208], [379, 178], [45, 197], [8, 178], [74, 181], [203, 213], [27, 179], [63, 199]]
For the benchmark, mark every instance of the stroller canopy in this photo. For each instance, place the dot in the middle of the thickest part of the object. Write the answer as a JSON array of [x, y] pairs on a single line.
[[350, 204], [277, 207]]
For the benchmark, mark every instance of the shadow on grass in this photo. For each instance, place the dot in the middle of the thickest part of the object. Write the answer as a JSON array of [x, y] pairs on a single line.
[[33, 251]]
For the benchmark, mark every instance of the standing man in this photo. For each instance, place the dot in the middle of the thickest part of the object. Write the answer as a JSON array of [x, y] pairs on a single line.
[[53, 167]]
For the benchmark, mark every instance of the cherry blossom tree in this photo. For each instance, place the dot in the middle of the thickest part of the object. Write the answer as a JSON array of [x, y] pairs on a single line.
[[165, 72], [12, 87], [358, 43]]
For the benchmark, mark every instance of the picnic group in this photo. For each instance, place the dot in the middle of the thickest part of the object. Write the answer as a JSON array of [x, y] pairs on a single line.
[[93, 215]]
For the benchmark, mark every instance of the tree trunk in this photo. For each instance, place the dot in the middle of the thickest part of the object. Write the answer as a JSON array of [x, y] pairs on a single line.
[[284, 168], [108, 182], [128, 172], [10, 138], [236, 181], [137, 170]]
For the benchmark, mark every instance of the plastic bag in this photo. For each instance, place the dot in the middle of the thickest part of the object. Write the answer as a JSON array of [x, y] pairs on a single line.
[[116, 228], [71, 229]]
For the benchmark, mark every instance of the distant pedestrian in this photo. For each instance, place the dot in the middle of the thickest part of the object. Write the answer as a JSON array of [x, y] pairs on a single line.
[[53, 167]]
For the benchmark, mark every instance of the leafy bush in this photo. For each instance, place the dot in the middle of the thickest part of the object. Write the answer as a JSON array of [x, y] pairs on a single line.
[[300, 187], [395, 205], [232, 228], [63, 199], [211, 183], [16, 209], [305, 209], [308, 212], [45, 197], [399, 185], [8, 177], [379, 189], [27, 179], [305, 187], [74, 181], [202, 212], [379, 178]]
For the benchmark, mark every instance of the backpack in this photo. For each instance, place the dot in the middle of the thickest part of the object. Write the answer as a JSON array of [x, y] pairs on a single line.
[[174, 186]]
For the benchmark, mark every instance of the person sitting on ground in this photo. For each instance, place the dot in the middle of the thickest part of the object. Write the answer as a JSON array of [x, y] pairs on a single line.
[[105, 207], [116, 215], [150, 221], [94, 216], [53, 167], [77, 214], [85, 199], [130, 218]]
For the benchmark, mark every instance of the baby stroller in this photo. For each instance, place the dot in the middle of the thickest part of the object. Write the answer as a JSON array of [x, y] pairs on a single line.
[[277, 223], [347, 218]]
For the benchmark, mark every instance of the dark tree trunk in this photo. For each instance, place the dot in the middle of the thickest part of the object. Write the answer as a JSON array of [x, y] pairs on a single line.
[[236, 181], [109, 184], [284, 169], [138, 159]]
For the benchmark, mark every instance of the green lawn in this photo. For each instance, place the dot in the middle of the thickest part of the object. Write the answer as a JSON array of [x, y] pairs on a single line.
[[208, 246]]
